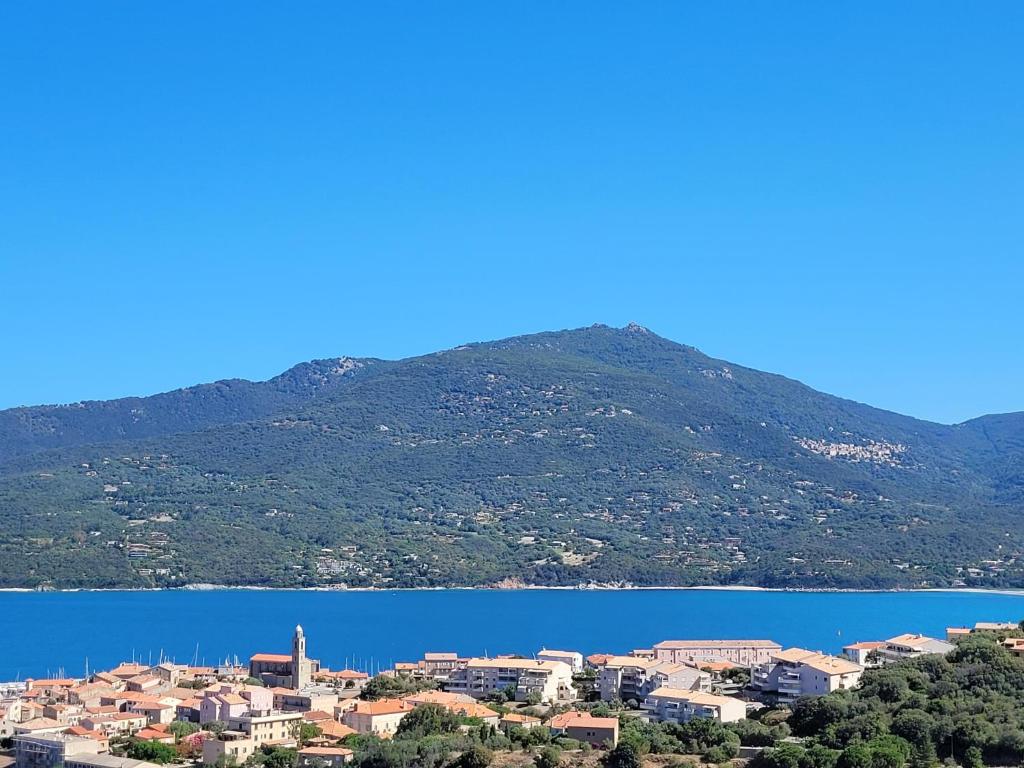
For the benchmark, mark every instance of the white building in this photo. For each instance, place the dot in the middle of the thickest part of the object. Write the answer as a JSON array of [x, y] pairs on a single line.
[[629, 677], [794, 673], [573, 658], [551, 681], [671, 704]]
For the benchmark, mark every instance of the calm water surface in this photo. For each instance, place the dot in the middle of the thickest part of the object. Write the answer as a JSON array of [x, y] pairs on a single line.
[[43, 632]]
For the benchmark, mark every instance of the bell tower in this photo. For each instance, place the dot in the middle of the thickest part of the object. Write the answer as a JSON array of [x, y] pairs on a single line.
[[301, 668]]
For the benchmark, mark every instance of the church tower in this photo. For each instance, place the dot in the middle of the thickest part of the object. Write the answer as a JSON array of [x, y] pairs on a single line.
[[301, 667]]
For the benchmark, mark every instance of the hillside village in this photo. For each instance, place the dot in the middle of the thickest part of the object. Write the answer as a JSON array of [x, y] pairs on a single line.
[[285, 710]]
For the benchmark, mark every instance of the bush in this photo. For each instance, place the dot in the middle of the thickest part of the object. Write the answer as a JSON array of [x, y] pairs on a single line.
[[549, 757]]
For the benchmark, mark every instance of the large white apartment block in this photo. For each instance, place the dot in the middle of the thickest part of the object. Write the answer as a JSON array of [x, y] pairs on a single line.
[[743, 652], [674, 705], [794, 673], [550, 680], [628, 677]]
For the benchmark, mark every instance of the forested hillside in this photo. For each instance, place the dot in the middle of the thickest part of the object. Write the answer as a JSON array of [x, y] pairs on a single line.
[[598, 455]]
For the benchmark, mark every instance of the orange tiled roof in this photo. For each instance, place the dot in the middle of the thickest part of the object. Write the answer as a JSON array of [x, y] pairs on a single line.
[[279, 658]]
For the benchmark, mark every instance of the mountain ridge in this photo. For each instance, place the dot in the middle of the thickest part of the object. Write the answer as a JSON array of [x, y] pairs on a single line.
[[594, 455]]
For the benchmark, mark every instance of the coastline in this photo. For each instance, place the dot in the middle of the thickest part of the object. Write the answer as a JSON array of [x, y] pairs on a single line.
[[525, 588]]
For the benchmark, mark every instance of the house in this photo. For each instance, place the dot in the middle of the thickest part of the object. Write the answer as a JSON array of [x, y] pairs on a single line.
[[910, 646], [1015, 645], [573, 658], [795, 672], [858, 653], [125, 671], [546, 681], [319, 756], [444, 698], [262, 727], [229, 748], [673, 705], [145, 683], [582, 726], [156, 712], [98, 736], [625, 678], [153, 734], [743, 652], [377, 717], [333, 731], [512, 720]]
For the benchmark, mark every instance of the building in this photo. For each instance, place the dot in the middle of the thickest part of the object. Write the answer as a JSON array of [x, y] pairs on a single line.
[[858, 653], [528, 679], [106, 761], [262, 727], [1015, 645], [910, 646], [631, 678], [285, 671], [51, 750], [377, 717], [742, 652], [673, 705], [582, 726], [794, 673], [333, 757], [312, 697], [573, 658], [955, 633], [512, 720], [440, 665]]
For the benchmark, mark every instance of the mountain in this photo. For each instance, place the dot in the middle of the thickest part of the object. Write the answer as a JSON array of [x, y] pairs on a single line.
[[590, 456]]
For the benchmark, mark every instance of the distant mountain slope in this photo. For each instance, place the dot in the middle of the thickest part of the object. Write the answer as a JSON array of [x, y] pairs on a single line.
[[597, 455], [29, 430]]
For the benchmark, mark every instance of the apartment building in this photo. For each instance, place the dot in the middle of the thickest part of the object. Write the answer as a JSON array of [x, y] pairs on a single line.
[[624, 678], [51, 750], [673, 705], [573, 658], [550, 681], [743, 652], [795, 672]]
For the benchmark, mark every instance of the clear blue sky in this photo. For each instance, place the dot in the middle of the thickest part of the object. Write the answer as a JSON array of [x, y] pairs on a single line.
[[193, 190]]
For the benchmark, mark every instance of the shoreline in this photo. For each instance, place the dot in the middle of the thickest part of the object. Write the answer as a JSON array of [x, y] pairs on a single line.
[[525, 588]]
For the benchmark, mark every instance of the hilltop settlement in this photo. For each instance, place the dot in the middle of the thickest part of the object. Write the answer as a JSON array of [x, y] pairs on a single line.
[[907, 700]]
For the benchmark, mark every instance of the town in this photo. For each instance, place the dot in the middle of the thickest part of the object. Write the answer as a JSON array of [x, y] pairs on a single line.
[[285, 709]]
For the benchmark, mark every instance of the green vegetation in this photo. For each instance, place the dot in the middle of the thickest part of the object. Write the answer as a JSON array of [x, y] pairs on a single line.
[[967, 708], [395, 686], [152, 751], [598, 455]]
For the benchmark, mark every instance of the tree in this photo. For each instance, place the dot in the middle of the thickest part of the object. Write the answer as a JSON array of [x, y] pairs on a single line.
[[182, 728], [305, 732], [856, 756], [784, 756], [549, 757], [152, 751], [624, 755], [427, 720], [475, 757]]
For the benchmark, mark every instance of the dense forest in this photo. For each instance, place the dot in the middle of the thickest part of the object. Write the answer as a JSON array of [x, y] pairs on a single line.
[[595, 456]]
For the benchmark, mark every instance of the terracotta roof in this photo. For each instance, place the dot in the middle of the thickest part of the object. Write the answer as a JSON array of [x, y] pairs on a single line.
[[335, 729], [869, 645], [326, 751], [440, 657], [582, 719], [697, 697], [515, 717], [316, 715], [151, 734], [279, 658], [40, 723], [382, 707], [684, 644]]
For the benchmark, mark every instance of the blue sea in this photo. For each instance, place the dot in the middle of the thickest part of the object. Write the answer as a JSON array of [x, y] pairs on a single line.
[[44, 633]]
